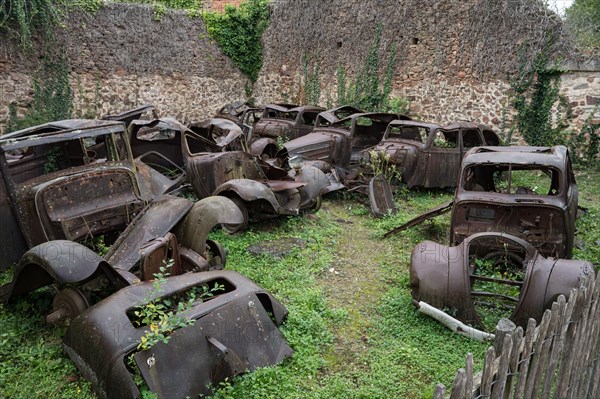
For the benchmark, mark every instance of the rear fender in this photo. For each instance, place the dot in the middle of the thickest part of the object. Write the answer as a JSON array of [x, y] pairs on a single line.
[[204, 215], [263, 145], [60, 261], [315, 183], [249, 190]]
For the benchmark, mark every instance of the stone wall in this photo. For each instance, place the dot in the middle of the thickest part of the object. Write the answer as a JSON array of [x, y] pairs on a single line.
[[580, 85], [121, 57], [452, 57]]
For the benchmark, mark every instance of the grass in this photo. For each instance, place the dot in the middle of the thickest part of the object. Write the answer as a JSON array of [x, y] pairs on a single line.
[[353, 328]]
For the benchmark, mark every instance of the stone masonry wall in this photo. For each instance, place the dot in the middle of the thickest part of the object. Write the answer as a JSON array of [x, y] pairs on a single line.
[[452, 57], [121, 57]]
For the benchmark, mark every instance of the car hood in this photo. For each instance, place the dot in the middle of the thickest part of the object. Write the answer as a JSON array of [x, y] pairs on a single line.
[[272, 127], [316, 146]]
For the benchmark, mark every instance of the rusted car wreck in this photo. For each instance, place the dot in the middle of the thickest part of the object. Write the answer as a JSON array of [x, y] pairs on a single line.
[[430, 155], [281, 122], [75, 180], [528, 192], [512, 207], [491, 275], [208, 153]]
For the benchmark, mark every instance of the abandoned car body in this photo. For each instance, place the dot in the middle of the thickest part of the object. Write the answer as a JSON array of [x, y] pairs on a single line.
[[528, 192], [242, 113], [430, 155], [283, 121], [489, 273], [77, 179], [260, 189], [342, 142], [228, 333], [71, 180], [206, 151]]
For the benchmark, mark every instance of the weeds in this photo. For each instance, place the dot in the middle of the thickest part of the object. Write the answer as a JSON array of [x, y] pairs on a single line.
[[403, 354]]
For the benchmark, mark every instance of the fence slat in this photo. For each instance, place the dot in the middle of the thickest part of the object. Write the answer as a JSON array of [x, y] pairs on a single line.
[[556, 346], [440, 391], [458, 388], [546, 346], [535, 363], [525, 359], [514, 361], [585, 341], [488, 373], [469, 377], [500, 380], [564, 372], [580, 338], [594, 340]]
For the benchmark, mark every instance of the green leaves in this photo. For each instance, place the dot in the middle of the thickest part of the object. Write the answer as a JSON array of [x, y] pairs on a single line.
[[238, 31], [535, 95], [369, 90], [583, 18]]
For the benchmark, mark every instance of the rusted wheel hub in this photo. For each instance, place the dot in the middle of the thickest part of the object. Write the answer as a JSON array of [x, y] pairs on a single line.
[[67, 304]]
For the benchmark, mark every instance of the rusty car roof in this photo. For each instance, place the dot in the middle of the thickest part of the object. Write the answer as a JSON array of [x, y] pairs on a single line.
[[64, 130], [374, 115], [547, 156], [130, 112], [293, 108], [404, 122], [432, 125]]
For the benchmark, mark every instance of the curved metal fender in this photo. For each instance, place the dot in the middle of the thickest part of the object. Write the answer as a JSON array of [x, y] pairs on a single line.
[[60, 261], [204, 215], [257, 147], [315, 182], [250, 190]]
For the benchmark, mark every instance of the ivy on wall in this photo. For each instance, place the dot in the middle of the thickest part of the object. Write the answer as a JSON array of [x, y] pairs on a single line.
[[542, 114], [192, 7], [52, 96], [238, 31], [370, 90], [22, 19]]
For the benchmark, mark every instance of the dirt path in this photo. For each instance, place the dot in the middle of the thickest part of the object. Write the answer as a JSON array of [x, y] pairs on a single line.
[[355, 283]]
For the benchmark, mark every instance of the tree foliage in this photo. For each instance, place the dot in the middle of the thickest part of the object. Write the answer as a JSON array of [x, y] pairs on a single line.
[[583, 17]]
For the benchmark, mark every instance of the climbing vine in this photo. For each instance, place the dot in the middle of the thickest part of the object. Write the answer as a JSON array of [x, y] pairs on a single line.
[[369, 90], [22, 19], [309, 86], [52, 96], [238, 31], [535, 98]]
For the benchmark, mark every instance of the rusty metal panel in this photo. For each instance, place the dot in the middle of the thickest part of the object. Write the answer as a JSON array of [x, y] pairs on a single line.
[[447, 277], [239, 337], [100, 339], [381, 197]]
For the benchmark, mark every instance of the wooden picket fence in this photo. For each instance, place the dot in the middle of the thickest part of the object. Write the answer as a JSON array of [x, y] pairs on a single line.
[[559, 358]]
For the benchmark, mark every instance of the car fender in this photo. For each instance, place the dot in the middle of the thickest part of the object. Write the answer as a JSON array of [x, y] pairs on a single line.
[[204, 215], [59, 261], [263, 144], [315, 182], [249, 190]]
